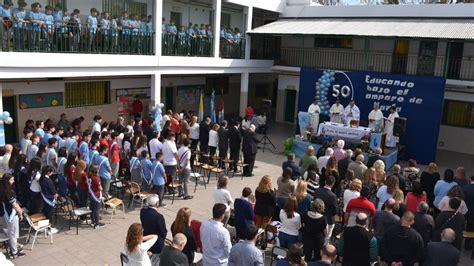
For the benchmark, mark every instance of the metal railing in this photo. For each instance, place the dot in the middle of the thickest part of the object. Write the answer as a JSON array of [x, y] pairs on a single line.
[[185, 45], [452, 68], [31, 37], [386, 2]]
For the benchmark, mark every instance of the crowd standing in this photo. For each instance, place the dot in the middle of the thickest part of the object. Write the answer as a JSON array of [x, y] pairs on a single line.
[[401, 217]]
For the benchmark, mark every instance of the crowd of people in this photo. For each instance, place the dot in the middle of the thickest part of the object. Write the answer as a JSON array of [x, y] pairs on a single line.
[[196, 40], [55, 29]]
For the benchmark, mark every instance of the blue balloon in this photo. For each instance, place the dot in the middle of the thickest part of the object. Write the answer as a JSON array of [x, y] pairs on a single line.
[[5, 115], [317, 87], [333, 73], [333, 78]]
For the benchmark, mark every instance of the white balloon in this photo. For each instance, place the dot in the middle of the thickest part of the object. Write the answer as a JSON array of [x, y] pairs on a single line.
[[8, 121], [1, 122]]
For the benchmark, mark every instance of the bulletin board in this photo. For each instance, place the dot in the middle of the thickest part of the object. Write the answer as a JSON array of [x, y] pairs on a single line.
[[39, 100], [188, 97], [125, 98]]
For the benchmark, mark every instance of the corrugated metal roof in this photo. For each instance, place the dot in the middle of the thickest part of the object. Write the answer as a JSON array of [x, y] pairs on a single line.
[[415, 28]]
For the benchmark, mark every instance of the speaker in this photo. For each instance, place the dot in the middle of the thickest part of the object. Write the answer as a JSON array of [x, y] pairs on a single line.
[[400, 126]]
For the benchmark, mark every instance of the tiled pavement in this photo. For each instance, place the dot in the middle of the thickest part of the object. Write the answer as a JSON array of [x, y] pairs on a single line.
[[102, 246]]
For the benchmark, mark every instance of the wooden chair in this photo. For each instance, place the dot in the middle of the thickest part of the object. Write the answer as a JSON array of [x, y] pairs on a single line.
[[76, 213], [39, 226], [227, 163], [206, 170], [469, 235], [241, 165], [217, 171], [114, 203], [196, 177], [136, 194], [172, 185]]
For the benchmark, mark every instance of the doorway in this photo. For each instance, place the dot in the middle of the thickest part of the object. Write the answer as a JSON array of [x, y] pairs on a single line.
[[290, 106], [427, 58], [11, 134], [176, 16], [400, 56], [169, 98], [455, 51]]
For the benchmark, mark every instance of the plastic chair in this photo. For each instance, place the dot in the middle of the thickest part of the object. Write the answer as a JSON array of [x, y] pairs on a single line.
[[40, 226], [278, 253]]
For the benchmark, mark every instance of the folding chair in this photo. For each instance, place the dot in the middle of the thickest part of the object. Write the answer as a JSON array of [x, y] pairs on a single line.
[[197, 258], [196, 177], [114, 203], [123, 259], [277, 254], [42, 225], [174, 187], [136, 194], [76, 213], [4, 240], [217, 171]]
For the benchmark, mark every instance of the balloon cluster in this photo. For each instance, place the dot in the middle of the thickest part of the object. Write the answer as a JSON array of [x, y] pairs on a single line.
[[156, 114], [322, 89], [5, 118]]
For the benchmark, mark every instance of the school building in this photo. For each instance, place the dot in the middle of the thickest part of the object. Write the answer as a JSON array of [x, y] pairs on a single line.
[[255, 62]]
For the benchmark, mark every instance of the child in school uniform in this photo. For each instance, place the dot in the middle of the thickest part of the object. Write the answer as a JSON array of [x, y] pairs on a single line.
[[92, 29], [48, 28], [95, 195], [146, 170]]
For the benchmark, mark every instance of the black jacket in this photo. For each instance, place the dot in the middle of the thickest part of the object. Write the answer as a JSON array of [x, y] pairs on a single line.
[[373, 159], [330, 203], [402, 244], [249, 142], [441, 254], [234, 138], [223, 134], [154, 223], [204, 133], [265, 203]]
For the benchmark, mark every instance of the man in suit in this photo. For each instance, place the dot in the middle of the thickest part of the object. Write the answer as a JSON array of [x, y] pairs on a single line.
[[223, 136], [249, 148], [234, 144], [204, 128], [377, 156], [154, 224], [442, 253], [330, 202]]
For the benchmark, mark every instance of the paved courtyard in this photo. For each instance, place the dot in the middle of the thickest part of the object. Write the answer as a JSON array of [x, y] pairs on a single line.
[[102, 246]]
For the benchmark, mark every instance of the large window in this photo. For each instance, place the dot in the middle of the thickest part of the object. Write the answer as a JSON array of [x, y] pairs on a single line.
[[457, 113], [117, 7], [332, 42], [80, 94]]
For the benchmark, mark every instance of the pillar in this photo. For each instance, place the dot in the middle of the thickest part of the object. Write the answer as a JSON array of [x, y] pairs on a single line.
[[217, 7], [155, 89], [2, 129], [248, 27], [157, 16], [244, 93]]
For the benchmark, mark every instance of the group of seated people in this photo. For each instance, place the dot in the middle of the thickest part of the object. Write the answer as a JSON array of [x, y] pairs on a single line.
[[55, 29], [196, 40]]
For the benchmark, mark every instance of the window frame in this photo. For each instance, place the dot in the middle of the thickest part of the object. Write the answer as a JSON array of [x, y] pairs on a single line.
[[469, 110], [79, 92]]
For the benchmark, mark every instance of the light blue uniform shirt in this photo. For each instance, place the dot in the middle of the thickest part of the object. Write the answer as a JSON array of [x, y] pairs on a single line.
[[146, 169], [35, 16], [190, 31], [5, 13], [71, 145], [149, 28], [46, 137], [21, 16], [39, 132], [158, 173], [125, 23], [104, 165], [105, 25], [58, 18], [48, 21], [59, 139], [209, 33], [79, 22], [92, 155], [84, 151], [172, 29], [92, 21], [143, 27], [202, 32], [134, 23]]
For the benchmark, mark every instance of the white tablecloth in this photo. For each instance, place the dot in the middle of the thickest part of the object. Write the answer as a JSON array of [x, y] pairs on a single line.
[[342, 131]]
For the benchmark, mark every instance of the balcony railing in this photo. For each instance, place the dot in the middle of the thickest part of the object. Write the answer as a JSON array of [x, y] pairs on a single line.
[[453, 68], [383, 2], [30, 37], [184, 45]]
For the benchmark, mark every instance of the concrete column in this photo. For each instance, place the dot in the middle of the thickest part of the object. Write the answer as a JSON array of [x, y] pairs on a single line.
[[248, 26], [155, 89], [2, 129], [157, 16], [244, 93], [217, 8]]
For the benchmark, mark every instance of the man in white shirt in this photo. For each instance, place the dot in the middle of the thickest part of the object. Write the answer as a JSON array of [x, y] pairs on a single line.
[[314, 111], [155, 145], [184, 172], [323, 160], [215, 238], [336, 112], [170, 155], [351, 112], [50, 157], [391, 140], [96, 126], [376, 118]]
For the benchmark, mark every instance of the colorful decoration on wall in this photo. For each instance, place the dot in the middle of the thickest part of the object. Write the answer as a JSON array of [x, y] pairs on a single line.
[[5, 118], [28, 101]]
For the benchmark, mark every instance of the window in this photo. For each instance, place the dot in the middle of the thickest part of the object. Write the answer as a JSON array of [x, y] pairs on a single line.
[[225, 20], [458, 113], [138, 9], [80, 94], [54, 3], [332, 42], [114, 7]]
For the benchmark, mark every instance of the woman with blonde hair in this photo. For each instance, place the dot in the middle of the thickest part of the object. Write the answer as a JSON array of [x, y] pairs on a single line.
[[265, 202], [400, 206], [380, 176], [371, 183], [386, 191], [137, 245], [331, 169], [80, 176], [290, 223], [353, 192], [428, 180], [314, 230], [182, 224], [302, 197]]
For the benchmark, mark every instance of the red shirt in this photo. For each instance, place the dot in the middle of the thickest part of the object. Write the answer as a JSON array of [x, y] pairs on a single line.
[[104, 142], [174, 125], [361, 203], [83, 183], [114, 153], [413, 201], [249, 112], [137, 106], [70, 176], [96, 186]]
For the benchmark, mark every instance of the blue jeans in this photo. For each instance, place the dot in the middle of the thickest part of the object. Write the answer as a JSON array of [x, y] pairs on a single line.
[[287, 240]]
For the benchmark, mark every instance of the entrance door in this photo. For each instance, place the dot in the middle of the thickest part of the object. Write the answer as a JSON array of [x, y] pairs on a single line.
[[9, 105], [400, 56], [290, 106], [169, 91], [455, 51], [176, 16], [427, 58]]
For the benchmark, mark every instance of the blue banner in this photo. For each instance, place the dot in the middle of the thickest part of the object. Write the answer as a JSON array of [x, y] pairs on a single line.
[[419, 99]]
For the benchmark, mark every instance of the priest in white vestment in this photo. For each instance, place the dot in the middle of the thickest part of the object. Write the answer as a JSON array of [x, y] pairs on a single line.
[[351, 112], [391, 140], [337, 112], [376, 118], [313, 111]]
